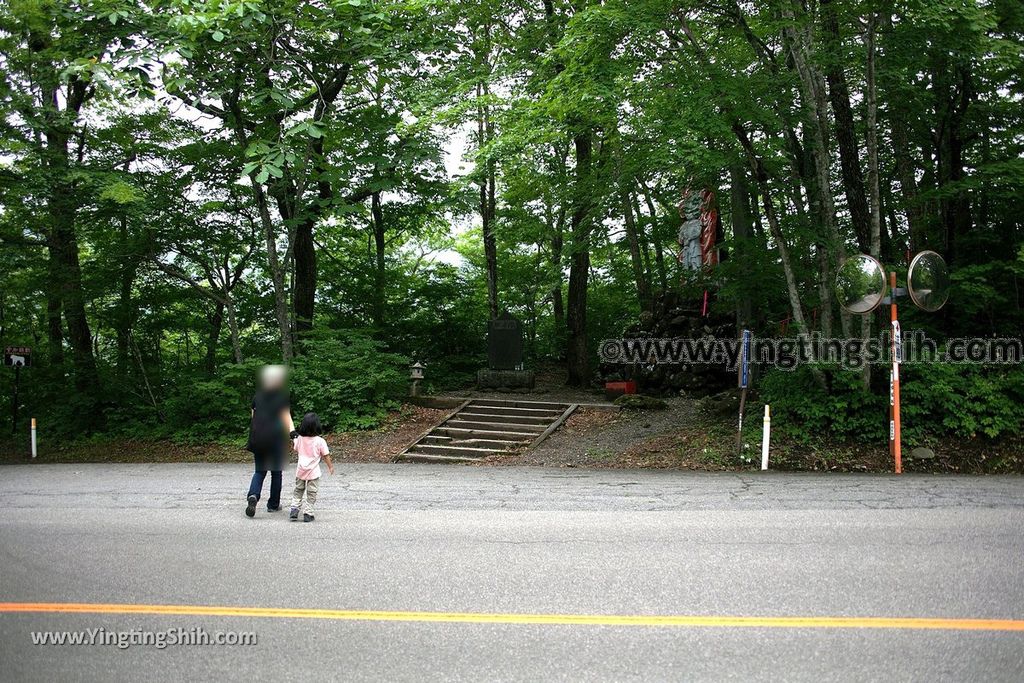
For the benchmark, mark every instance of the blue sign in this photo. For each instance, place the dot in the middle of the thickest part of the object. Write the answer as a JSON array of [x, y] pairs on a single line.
[[745, 360]]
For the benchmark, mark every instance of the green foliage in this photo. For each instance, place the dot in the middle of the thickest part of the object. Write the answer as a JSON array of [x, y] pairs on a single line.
[[210, 409], [803, 410], [962, 400], [348, 379], [938, 400], [208, 165]]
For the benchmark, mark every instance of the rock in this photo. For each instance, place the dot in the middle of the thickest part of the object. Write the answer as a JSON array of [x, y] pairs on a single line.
[[640, 402], [922, 453], [646, 320], [725, 403], [672, 318]]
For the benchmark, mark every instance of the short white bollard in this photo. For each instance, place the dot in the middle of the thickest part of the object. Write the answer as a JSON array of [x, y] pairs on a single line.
[[766, 434], [33, 437]]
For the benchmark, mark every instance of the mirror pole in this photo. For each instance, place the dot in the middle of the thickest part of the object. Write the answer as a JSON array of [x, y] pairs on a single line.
[[894, 380]]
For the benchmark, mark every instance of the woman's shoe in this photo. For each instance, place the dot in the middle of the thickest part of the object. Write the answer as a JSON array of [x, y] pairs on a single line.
[[277, 509], [250, 510]]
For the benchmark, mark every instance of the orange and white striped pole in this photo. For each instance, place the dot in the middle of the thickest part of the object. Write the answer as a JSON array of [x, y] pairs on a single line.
[[33, 437], [896, 349]]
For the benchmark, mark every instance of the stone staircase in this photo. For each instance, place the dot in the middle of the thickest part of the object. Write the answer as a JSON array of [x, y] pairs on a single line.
[[482, 427]]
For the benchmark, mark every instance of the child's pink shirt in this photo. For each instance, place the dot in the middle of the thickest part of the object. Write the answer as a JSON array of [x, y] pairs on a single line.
[[311, 450]]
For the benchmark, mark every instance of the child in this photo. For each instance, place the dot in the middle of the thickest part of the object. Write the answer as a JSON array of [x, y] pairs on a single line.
[[311, 449]]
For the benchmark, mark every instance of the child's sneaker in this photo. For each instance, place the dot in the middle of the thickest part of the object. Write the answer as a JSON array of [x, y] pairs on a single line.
[[293, 514], [250, 509], [307, 517]]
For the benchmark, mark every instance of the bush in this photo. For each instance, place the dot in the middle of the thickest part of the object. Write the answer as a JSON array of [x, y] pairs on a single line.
[[803, 410], [937, 400], [214, 408], [962, 400], [348, 379]]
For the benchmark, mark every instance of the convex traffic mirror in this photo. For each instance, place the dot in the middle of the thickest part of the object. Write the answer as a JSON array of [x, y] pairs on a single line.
[[928, 281], [860, 284]]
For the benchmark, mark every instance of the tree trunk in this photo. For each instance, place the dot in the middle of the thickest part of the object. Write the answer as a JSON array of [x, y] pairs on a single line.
[[213, 340], [659, 262], [292, 206], [277, 274], [824, 289], [813, 92], [380, 264], [236, 343], [63, 240], [557, 307], [792, 288], [742, 231], [659, 254], [905, 173], [643, 288], [645, 242], [125, 315], [874, 184], [955, 207], [487, 205], [906, 170], [64, 245], [577, 359], [846, 136], [871, 95], [54, 310], [124, 320], [304, 292]]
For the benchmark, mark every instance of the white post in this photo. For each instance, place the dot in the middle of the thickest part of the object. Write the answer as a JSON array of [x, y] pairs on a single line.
[[765, 437], [33, 437]]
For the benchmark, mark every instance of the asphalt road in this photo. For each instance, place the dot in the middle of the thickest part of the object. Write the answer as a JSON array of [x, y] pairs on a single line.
[[487, 543]]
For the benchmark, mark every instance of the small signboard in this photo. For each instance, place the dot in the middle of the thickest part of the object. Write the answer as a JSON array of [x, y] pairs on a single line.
[[17, 356], [744, 364]]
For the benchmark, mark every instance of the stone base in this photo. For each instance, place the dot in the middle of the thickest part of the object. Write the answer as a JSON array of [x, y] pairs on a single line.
[[436, 402], [504, 379]]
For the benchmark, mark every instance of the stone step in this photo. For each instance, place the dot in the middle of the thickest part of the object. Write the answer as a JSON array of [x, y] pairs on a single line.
[[462, 451], [504, 435], [478, 415], [496, 445], [493, 426], [423, 457], [550, 413], [502, 403], [484, 427]]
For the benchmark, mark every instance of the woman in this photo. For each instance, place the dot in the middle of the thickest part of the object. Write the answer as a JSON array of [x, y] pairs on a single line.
[[270, 427]]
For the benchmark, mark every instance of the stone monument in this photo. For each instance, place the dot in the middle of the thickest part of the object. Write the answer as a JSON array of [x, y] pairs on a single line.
[[505, 356]]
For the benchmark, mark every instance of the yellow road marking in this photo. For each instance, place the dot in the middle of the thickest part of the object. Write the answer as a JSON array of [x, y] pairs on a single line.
[[544, 619]]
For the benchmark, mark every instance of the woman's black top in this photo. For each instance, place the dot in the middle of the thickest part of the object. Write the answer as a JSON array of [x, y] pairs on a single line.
[[267, 436]]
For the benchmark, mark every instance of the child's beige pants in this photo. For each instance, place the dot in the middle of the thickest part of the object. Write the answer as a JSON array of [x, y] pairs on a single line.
[[310, 488]]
